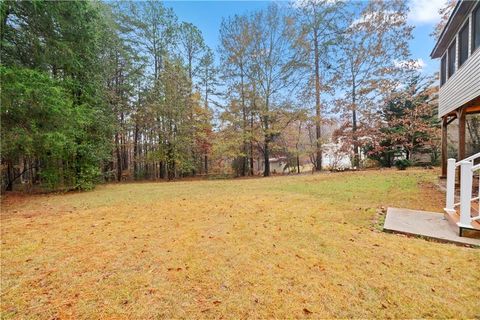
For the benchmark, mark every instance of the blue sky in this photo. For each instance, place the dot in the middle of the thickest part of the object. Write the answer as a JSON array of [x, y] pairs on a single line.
[[207, 16]]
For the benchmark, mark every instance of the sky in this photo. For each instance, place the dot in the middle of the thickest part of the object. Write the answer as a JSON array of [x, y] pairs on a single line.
[[207, 16]]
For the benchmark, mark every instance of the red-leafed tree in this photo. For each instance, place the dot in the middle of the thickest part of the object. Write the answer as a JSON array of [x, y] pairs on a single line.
[[376, 54], [408, 123]]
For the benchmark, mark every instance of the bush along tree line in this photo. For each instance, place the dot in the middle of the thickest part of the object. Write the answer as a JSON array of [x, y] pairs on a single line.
[[111, 91]]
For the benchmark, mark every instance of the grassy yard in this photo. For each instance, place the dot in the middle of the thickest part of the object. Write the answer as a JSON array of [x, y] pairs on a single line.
[[286, 247]]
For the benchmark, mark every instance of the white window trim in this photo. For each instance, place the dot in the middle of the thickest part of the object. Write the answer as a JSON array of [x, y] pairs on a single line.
[[456, 38], [455, 64], [472, 50], [445, 77], [469, 39]]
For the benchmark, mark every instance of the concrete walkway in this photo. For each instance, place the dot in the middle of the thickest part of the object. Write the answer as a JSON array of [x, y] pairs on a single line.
[[423, 223]]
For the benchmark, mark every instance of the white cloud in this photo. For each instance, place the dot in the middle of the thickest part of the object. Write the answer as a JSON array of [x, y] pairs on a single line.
[[417, 64], [376, 18], [425, 11], [305, 3], [420, 64]]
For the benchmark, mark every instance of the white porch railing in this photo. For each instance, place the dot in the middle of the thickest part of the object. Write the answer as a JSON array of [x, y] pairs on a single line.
[[467, 171]]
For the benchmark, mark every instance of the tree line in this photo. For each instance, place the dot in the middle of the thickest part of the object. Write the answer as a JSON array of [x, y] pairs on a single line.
[[105, 91]]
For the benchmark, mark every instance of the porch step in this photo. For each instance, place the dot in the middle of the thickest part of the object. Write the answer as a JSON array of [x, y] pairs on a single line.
[[430, 225], [473, 232]]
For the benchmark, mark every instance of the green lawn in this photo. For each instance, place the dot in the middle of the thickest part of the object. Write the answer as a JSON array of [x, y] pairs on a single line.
[[285, 247]]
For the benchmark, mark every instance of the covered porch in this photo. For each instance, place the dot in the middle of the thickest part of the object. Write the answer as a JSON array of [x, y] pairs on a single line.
[[463, 146]]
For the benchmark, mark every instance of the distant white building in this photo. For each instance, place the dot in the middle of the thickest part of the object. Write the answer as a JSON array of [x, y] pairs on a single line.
[[333, 158], [277, 165]]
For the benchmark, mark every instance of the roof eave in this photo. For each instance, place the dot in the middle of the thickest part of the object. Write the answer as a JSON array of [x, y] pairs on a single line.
[[435, 54]]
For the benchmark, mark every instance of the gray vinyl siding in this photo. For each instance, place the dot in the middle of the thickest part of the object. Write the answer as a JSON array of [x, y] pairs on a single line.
[[464, 85]]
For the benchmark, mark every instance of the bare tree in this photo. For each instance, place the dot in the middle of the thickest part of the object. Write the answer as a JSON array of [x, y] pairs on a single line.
[[375, 51], [273, 68], [319, 27], [236, 40]]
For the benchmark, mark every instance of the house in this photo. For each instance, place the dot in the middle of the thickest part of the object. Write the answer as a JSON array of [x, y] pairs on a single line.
[[458, 49], [277, 165], [334, 158]]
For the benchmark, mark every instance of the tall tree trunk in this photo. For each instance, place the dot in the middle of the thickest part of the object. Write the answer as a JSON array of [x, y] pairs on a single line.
[[298, 163], [170, 162], [266, 170], [244, 127], [190, 77], [266, 151], [318, 111], [119, 158], [206, 164], [145, 156], [162, 169], [251, 144], [251, 159], [297, 151], [124, 152], [356, 149], [162, 162], [135, 151], [268, 136], [243, 171]]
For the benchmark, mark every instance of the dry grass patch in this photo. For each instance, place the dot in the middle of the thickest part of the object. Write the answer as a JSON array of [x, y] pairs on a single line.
[[286, 247]]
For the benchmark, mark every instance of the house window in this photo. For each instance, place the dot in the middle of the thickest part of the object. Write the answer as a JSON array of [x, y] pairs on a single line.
[[451, 58], [463, 45], [443, 69], [476, 29]]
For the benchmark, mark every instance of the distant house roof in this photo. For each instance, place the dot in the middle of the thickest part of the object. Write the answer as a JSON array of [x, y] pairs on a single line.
[[453, 24]]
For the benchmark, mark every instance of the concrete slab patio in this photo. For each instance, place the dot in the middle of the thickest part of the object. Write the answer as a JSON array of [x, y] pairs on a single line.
[[423, 223]]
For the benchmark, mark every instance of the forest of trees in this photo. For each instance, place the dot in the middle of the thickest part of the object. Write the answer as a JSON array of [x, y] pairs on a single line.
[[110, 91]]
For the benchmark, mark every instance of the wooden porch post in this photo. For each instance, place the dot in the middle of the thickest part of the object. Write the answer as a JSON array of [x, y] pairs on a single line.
[[444, 146], [461, 133]]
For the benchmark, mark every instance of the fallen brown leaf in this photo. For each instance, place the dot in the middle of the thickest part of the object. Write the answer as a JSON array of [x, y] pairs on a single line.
[[306, 311]]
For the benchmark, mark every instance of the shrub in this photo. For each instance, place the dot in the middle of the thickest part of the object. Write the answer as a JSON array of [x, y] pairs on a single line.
[[88, 176], [369, 163], [402, 164]]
